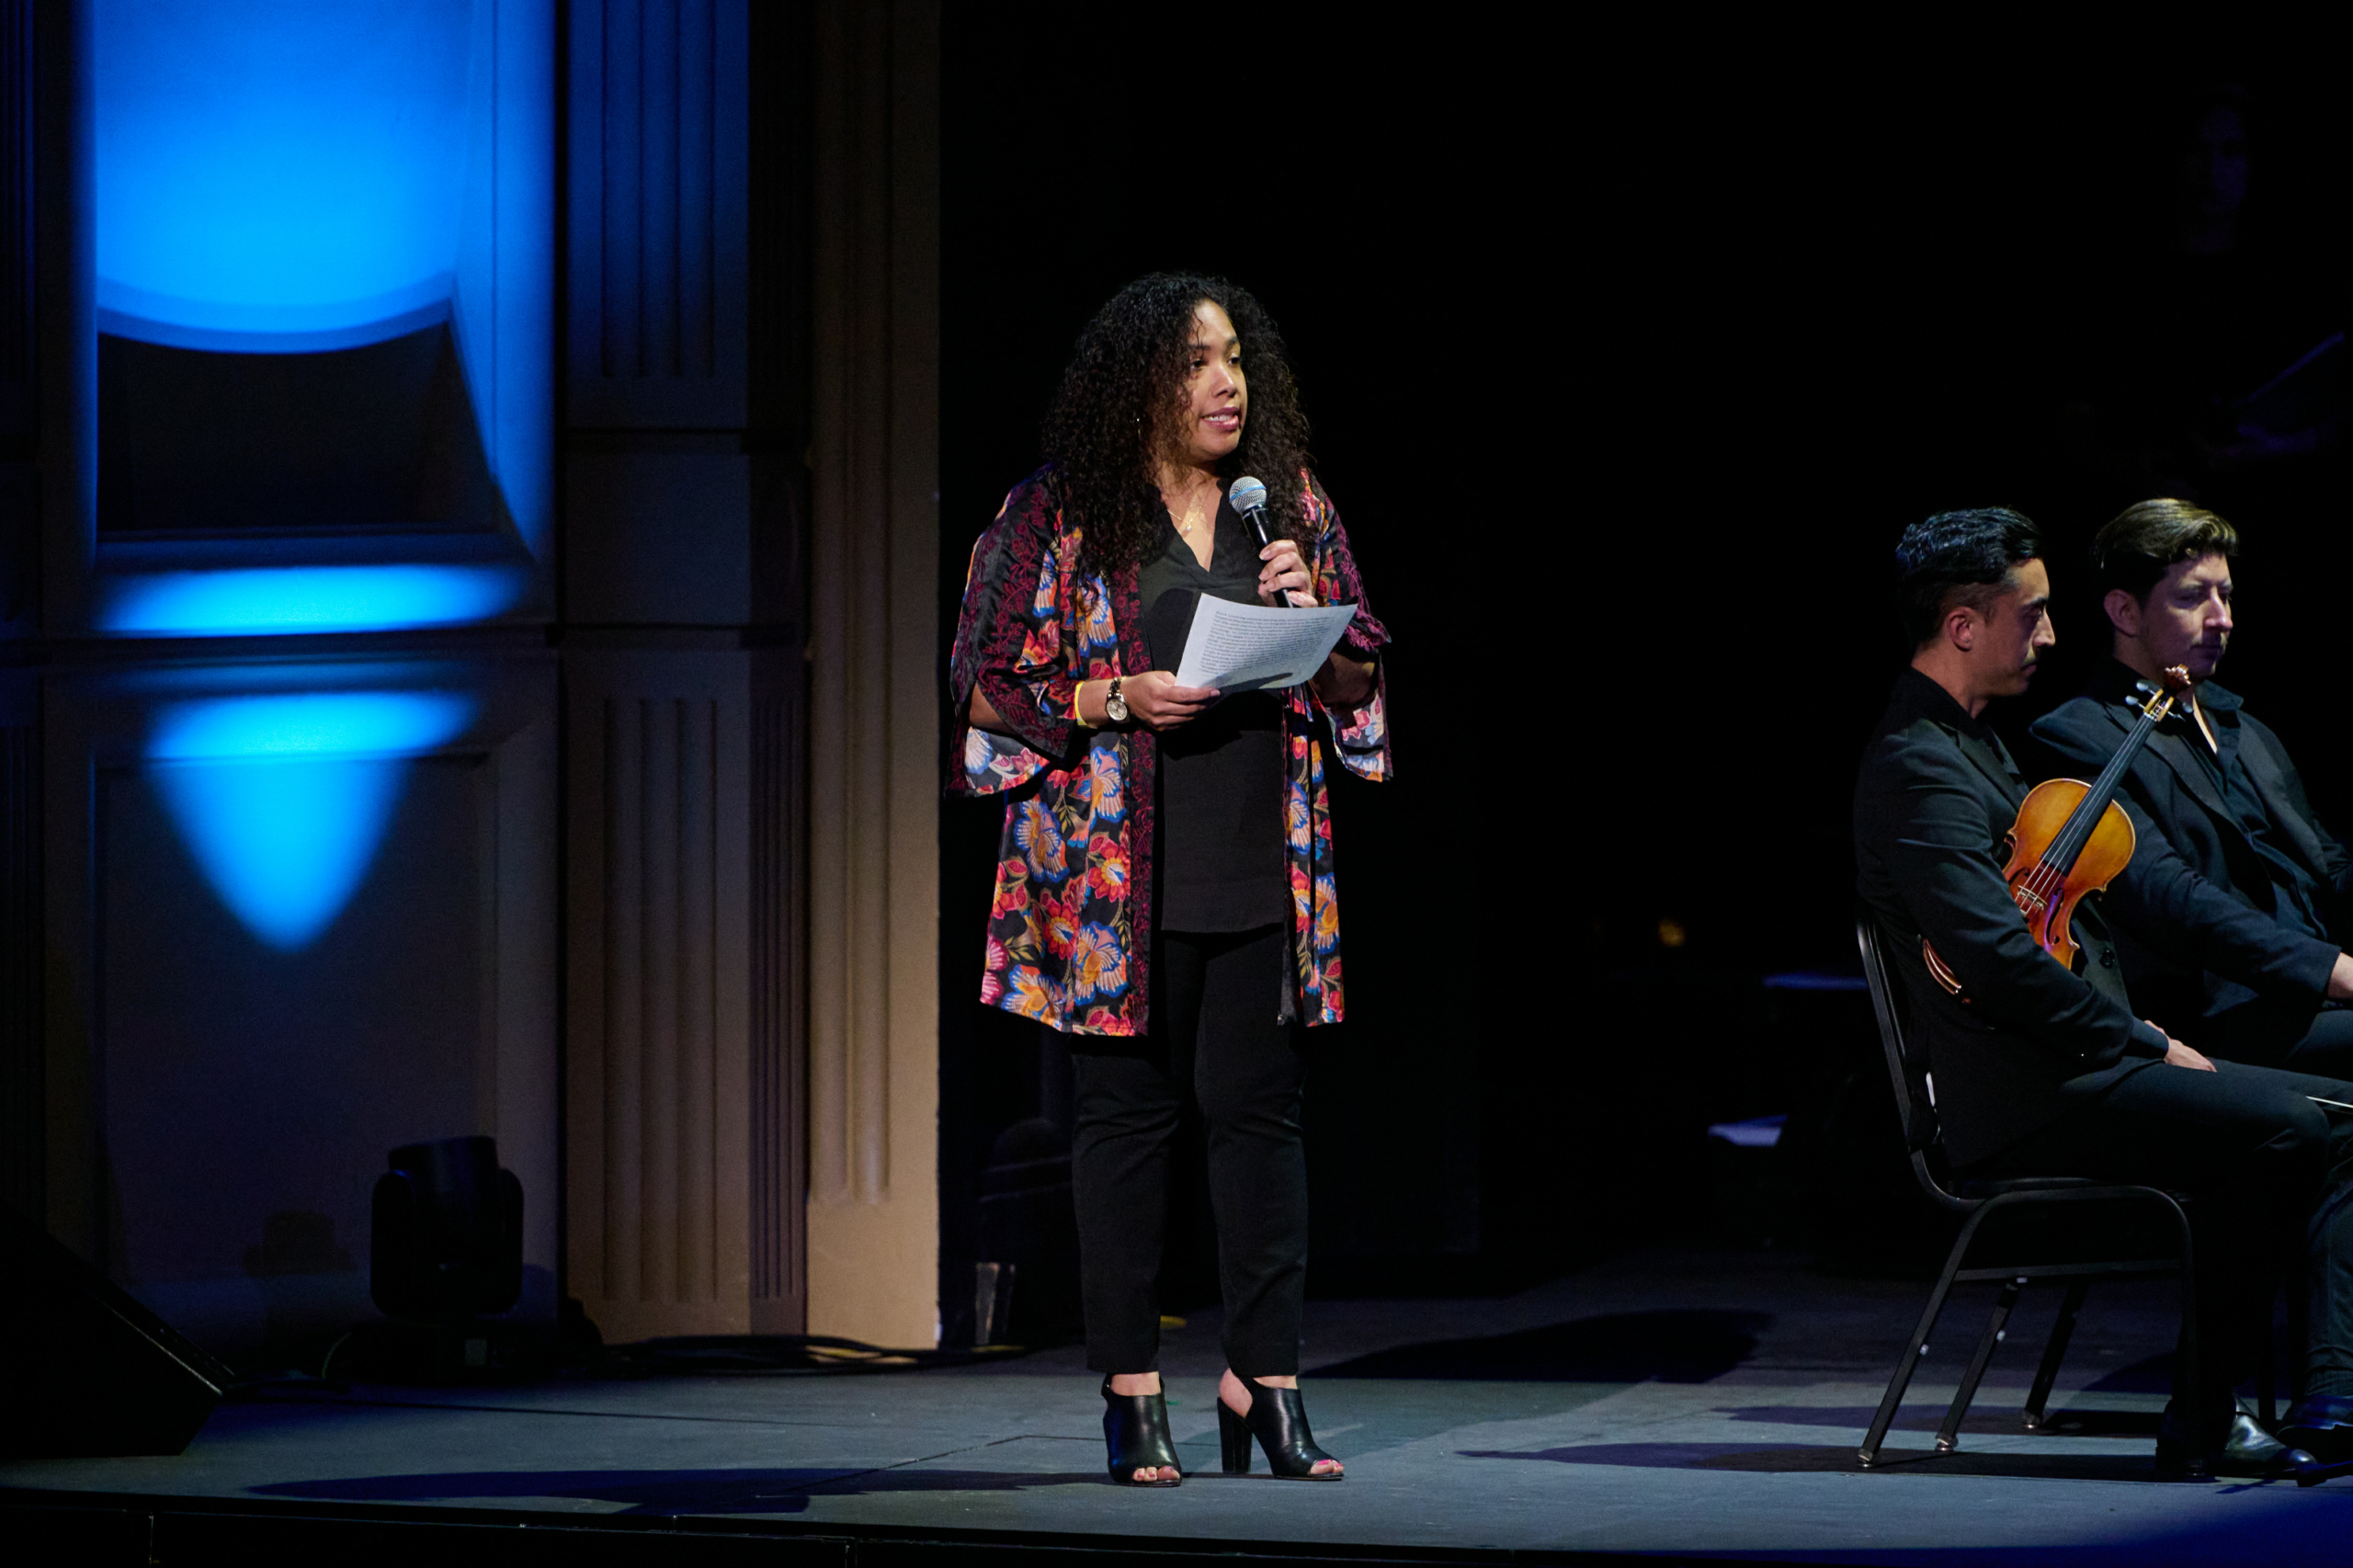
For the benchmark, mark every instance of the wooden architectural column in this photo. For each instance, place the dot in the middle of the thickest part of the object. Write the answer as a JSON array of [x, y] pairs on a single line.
[[23, 1105], [683, 675], [874, 771]]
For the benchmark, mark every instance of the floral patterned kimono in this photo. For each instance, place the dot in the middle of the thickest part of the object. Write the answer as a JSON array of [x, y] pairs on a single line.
[[1070, 930]]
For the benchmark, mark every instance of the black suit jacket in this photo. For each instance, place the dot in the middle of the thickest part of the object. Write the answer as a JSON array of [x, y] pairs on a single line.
[[2168, 791], [1934, 802]]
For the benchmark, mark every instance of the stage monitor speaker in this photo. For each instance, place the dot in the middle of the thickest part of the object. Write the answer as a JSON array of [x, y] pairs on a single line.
[[85, 1371]]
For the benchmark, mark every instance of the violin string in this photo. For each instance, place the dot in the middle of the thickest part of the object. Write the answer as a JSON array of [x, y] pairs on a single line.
[[2050, 870]]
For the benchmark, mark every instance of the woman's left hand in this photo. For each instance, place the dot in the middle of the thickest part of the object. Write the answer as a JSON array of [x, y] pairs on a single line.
[[1282, 571]]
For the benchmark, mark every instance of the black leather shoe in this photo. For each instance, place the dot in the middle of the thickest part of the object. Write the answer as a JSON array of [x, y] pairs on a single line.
[[2251, 1451], [1278, 1421], [2246, 1450], [1135, 1430], [2322, 1425]]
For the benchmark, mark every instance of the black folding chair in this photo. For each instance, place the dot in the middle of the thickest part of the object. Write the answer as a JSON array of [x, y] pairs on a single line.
[[1916, 1101]]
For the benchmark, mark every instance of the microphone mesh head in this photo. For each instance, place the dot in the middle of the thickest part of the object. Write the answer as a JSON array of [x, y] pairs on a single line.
[[1247, 494]]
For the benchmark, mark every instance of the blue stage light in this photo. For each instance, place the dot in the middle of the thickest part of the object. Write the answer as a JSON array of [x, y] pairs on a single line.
[[307, 598], [285, 844], [310, 724], [284, 799], [279, 175]]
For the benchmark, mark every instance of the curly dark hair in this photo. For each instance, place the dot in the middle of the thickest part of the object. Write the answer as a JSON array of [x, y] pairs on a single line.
[[1121, 398]]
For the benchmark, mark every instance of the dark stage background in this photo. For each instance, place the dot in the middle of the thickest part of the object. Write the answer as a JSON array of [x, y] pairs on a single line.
[[1629, 358]]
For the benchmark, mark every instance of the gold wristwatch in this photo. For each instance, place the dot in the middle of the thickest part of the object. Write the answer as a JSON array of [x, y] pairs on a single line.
[[1114, 708]]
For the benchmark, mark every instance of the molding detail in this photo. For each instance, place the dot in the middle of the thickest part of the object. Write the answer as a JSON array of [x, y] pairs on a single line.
[[23, 1102], [780, 1277], [659, 194], [658, 1069], [15, 217]]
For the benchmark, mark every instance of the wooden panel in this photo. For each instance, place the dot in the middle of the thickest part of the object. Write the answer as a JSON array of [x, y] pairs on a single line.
[[660, 1017], [780, 1289], [22, 1103], [658, 537], [16, 219], [873, 740], [95, 724], [658, 215]]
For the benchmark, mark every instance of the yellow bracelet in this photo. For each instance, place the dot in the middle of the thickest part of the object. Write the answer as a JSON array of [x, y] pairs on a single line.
[[1077, 715]]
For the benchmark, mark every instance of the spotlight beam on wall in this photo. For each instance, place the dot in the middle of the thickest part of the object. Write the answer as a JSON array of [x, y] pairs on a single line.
[[277, 176], [262, 600], [283, 799]]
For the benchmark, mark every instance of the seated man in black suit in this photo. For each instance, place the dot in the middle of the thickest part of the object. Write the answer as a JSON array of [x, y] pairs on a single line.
[[2042, 1070], [2215, 783]]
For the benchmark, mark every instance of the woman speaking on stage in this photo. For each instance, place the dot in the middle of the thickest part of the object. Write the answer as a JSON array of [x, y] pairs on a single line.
[[1165, 894]]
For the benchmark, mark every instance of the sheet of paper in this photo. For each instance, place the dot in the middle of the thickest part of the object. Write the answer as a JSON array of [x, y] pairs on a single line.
[[1253, 647]]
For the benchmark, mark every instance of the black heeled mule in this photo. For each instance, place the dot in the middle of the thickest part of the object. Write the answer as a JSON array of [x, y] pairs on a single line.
[[1135, 1429], [1278, 1420]]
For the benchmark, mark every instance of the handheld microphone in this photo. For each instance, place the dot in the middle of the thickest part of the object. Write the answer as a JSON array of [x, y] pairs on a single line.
[[1248, 498]]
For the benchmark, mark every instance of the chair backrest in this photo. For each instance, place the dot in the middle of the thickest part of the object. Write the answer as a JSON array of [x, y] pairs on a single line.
[[1915, 1100]]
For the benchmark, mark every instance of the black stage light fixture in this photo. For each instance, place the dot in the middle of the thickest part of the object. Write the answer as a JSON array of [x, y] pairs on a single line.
[[448, 1232], [85, 1371], [446, 1257]]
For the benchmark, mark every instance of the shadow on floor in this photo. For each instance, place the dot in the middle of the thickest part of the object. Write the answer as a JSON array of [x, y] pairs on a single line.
[[1995, 1421], [670, 1491], [1672, 1347], [1841, 1460], [2154, 1375]]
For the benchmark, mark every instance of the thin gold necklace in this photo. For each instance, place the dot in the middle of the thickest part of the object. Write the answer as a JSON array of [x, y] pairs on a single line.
[[1185, 524]]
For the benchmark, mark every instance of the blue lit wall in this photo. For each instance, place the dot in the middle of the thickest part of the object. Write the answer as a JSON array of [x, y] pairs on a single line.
[[284, 799], [279, 175], [249, 601], [296, 176], [505, 303]]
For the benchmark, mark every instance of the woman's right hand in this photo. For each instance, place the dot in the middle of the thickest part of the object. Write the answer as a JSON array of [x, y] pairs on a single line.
[[1159, 703]]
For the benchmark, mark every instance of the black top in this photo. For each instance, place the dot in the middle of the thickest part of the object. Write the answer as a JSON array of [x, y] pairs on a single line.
[[1219, 859], [2181, 796], [2295, 891], [1934, 798]]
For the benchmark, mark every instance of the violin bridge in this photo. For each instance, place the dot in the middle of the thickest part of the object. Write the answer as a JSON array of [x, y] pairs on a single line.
[[1939, 970]]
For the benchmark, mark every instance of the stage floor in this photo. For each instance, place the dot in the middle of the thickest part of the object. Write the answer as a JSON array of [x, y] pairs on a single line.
[[1687, 1403]]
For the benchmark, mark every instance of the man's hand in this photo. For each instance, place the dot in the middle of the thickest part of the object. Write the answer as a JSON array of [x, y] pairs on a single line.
[[1159, 703], [2340, 979], [2178, 1055]]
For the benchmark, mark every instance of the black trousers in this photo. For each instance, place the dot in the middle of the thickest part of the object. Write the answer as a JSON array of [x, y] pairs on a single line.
[[2271, 1177], [2282, 1033], [1214, 1039]]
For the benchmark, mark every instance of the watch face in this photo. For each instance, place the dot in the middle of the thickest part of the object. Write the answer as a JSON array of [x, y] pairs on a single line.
[[1116, 708]]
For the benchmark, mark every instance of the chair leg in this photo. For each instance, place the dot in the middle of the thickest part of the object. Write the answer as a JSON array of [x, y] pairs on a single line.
[[2039, 1398], [2300, 1327], [2188, 1376], [1885, 1416], [2266, 1372], [1949, 1435]]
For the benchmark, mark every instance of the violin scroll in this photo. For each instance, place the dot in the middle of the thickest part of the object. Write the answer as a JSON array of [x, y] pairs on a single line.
[[2172, 682]]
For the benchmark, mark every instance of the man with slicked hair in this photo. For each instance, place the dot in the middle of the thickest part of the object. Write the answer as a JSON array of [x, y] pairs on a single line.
[[2041, 1069], [2217, 784]]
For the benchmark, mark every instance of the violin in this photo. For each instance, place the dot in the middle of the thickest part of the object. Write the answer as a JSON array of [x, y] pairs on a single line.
[[2071, 839]]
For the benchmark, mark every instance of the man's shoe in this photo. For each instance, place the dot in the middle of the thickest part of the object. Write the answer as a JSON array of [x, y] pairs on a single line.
[[2246, 1450], [2251, 1451], [2322, 1425]]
